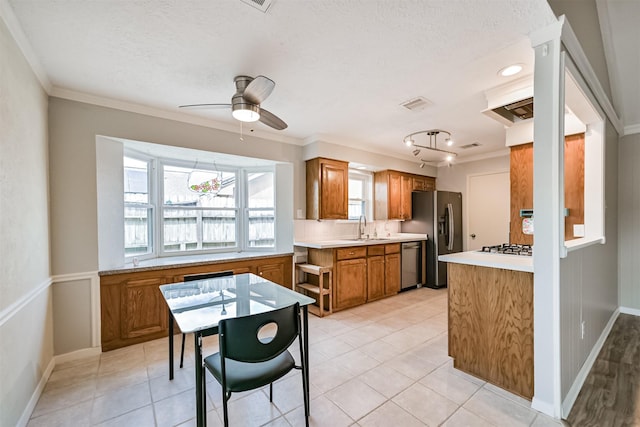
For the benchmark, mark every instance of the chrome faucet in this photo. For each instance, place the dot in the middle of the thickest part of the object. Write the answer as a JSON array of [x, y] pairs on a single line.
[[361, 228]]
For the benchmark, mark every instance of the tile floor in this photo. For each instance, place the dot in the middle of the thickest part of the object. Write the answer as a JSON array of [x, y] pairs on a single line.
[[381, 364]]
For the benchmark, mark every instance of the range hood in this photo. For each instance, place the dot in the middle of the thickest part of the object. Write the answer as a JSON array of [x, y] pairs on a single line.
[[511, 103], [516, 111]]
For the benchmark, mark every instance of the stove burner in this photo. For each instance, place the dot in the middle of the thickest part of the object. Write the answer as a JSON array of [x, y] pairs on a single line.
[[509, 249]]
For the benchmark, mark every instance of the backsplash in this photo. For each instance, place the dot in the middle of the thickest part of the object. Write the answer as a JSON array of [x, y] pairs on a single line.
[[305, 230]]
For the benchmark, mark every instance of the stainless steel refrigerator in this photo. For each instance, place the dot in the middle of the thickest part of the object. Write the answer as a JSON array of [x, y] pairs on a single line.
[[439, 215]]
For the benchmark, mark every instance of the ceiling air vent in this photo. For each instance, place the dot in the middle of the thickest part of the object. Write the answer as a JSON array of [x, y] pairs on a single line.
[[416, 104], [472, 145], [261, 5]]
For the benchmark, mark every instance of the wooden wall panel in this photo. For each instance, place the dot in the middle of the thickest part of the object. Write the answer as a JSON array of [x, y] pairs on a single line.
[[573, 182], [521, 169], [521, 173], [491, 325]]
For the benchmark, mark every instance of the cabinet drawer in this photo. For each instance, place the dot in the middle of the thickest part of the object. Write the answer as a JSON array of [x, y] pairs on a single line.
[[350, 253], [392, 248], [375, 250]]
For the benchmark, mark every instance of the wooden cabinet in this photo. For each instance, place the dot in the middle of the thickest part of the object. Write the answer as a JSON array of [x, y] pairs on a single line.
[[274, 272], [392, 193], [351, 283], [133, 309], [491, 325], [392, 274], [143, 307], [423, 183], [327, 189], [375, 277], [360, 273], [521, 176]]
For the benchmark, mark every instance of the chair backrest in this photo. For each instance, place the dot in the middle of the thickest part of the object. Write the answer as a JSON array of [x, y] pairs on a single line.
[[192, 277], [239, 336]]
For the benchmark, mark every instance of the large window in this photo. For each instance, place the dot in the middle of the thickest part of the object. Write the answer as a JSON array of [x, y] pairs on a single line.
[[138, 207], [199, 208]]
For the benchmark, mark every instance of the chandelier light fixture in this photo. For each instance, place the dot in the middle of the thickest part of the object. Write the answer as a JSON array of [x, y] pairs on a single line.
[[430, 137]]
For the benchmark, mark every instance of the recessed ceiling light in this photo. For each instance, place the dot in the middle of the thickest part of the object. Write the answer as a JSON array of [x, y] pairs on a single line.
[[511, 70]]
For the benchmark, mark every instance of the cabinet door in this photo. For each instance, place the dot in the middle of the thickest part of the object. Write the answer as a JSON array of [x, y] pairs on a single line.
[[392, 274], [375, 277], [350, 287], [334, 191], [395, 196], [419, 183], [273, 272], [406, 186], [143, 308]]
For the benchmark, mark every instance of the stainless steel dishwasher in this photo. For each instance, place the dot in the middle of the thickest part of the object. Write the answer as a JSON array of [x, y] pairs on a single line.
[[411, 265]]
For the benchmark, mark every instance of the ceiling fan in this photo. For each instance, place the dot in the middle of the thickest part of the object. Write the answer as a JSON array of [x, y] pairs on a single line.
[[245, 103]]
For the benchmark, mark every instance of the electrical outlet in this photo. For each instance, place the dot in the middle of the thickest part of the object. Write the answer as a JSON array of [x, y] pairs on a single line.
[[582, 329]]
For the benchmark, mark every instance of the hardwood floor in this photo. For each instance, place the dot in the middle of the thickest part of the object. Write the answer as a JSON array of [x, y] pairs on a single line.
[[611, 393]]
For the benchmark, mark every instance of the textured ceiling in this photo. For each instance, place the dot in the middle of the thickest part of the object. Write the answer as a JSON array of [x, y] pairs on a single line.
[[342, 67]]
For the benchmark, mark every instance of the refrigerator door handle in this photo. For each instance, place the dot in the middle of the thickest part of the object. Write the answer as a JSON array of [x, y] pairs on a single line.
[[451, 226]]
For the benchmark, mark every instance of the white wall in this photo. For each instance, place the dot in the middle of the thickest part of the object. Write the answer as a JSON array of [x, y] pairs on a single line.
[[629, 222], [26, 335]]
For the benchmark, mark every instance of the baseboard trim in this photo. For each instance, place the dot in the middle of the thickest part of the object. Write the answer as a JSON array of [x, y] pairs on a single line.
[[572, 395], [629, 310], [28, 410], [78, 354], [544, 407]]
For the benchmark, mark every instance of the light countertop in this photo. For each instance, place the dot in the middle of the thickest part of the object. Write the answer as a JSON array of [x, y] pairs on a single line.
[[190, 261], [341, 243], [484, 259]]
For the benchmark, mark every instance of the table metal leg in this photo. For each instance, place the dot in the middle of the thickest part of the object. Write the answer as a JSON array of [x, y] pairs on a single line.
[[305, 346], [201, 407], [170, 344]]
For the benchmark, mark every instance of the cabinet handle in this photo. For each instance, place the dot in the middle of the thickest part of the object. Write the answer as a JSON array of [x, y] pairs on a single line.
[[260, 273], [352, 253]]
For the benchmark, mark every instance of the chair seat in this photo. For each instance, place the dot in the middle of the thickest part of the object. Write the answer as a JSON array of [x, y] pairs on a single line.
[[243, 376]]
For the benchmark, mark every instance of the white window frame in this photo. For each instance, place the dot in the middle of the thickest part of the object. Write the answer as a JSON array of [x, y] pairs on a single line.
[[162, 162], [151, 205], [247, 209], [367, 183]]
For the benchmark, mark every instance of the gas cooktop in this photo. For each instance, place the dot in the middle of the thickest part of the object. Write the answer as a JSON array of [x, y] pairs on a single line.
[[509, 249]]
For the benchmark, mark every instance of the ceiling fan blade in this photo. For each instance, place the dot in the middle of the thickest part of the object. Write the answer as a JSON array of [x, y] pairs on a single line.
[[272, 120], [204, 106], [258, 90]]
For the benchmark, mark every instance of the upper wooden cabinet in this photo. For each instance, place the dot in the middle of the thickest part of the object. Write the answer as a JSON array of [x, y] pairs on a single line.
[[327, 189], [392, 193], [521, 176]]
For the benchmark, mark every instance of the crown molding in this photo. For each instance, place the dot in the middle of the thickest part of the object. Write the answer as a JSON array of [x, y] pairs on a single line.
[[164, 114]]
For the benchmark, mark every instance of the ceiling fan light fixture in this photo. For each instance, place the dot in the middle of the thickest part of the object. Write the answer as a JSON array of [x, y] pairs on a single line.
[[246, 112]]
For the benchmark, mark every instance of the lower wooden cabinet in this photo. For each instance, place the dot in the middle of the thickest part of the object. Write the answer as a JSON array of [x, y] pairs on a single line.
[[361, 273], [376, 277], [350, 285], [392, 267], [133, 309], [144, 309]]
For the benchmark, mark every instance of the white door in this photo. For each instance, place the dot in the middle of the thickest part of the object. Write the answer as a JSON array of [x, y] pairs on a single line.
[[488, 210]]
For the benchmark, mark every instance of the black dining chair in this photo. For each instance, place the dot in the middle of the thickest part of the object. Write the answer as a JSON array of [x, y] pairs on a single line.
[[247, 361], [191, 278]]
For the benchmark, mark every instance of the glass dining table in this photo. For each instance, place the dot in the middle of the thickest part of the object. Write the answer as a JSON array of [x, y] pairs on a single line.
[[198, 307]]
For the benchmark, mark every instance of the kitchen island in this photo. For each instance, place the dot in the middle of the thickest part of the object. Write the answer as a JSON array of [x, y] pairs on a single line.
[[491, 318]]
